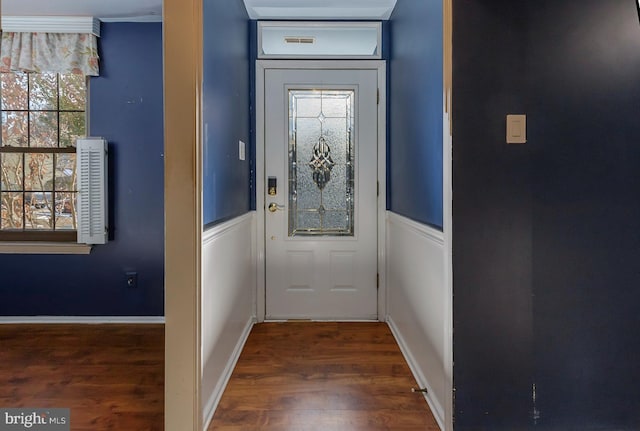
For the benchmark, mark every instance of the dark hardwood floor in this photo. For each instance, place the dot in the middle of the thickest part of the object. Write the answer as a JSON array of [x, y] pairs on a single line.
[[290, 377], [307, 376], [110, 376]]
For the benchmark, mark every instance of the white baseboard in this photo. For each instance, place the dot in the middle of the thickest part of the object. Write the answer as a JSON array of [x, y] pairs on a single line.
[[212, 403], [436, 408], [82, 320]]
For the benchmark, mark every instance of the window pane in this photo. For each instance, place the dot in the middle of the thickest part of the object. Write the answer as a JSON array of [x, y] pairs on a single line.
[[321, 162], [11, 178], [14, 91], [44, 129], [308, 195], [334, 196], [43, 91], [66, 211], [14, 129], [337, 130], [65, 172], [326, 39], [38, 191], [38, 211], [39, 171], [335, 104], [72, 126], [73, 91], [308, 221], [307, 104], [11, 210], [336, 220]]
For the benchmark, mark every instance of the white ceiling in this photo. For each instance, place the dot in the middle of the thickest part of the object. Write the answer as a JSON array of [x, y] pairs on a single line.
[[151, 10], [106, 10]]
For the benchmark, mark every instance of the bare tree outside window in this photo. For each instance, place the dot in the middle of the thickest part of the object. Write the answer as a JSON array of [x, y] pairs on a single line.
[[43, 114]]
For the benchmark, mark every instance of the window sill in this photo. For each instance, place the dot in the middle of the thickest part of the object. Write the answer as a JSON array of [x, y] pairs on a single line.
[[37, 247]]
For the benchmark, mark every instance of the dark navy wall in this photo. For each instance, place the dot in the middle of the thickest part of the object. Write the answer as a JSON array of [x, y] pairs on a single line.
[[584, 88], [126, 107], [415, 146], [547, 234], [492, 220], [226, 179]]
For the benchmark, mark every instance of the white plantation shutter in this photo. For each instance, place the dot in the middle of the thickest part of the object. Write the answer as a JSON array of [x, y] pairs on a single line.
[[91, 167]]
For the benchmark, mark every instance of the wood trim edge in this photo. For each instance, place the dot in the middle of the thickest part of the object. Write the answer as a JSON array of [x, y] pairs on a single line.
[[182, 44], [34, 247]]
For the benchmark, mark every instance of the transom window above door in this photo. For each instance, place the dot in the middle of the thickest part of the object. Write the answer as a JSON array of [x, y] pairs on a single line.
[[319, 39]]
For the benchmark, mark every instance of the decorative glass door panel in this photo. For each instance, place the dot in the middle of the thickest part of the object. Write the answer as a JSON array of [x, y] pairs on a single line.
[[321, 162]]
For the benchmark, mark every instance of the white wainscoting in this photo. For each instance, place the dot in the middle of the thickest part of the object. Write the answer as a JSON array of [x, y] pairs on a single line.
[[417, 304], [228, 290]]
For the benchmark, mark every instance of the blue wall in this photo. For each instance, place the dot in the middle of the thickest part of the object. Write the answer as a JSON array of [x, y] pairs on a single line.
[[253, 56], [415, 147], [226, 187], [547, 234], [126, 107]]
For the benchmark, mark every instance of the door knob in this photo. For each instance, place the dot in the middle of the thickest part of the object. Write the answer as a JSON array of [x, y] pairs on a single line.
[[273, 207]]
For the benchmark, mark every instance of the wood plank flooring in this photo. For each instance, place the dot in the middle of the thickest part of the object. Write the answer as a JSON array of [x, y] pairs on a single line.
[[291, 376], [322, 376], [110, 376]]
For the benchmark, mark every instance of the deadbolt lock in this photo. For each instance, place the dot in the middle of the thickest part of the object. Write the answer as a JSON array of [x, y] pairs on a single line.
[[272, 186]]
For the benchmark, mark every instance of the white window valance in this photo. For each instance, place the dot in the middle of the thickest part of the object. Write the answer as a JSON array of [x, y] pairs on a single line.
[[49, 52]]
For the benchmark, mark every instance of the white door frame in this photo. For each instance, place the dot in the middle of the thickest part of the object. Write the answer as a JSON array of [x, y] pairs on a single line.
[[261, 66]]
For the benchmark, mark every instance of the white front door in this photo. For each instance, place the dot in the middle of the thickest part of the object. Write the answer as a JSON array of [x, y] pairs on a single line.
[[321, 149]]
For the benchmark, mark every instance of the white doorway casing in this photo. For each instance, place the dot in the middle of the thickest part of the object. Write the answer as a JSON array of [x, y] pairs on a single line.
[[261, 67]]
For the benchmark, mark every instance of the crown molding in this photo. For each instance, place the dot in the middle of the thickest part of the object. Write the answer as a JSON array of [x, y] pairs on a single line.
[[51, 24]]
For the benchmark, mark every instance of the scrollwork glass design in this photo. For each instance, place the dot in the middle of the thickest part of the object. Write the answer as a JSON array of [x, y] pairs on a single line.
[[321, 162]]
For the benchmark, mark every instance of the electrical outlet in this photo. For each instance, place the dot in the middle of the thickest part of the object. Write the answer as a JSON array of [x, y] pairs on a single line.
[[132, 279]]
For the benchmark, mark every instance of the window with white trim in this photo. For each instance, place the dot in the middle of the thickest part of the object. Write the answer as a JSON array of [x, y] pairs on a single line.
[[42, 116]]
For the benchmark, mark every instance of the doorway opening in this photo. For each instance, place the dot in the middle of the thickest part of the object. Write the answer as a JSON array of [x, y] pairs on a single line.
[[320, 189]]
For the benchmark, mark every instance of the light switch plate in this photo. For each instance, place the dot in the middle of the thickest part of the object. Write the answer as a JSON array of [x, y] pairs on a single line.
[[516, 129], [242, 149]]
